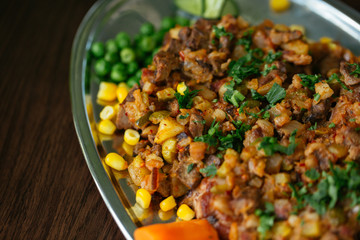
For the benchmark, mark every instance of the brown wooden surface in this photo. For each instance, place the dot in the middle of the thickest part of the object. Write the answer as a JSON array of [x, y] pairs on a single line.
[[46, 191]]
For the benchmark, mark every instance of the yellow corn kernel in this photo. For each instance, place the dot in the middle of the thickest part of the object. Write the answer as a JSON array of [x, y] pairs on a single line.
[[107, 113], [143, 198], [116, 161], [169, 150], [185, 212], [122, 84], [140, 213], [279, 5], [116, 107], [181, 88], [106, 127], [121, 93], [131, 137], [107, 91], [168, 203], [300, 28], [129, 150], [326, 40], [164, 216]]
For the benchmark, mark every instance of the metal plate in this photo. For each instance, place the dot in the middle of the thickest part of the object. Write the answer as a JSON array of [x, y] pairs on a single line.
[[106, 18]]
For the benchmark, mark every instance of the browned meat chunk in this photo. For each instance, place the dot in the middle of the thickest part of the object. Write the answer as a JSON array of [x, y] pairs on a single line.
[[278, 37], [283, 208], [199, 37], [346, 69], [297, 59], [196, 126], [246, 200], [164, 62], [122, 121], [189, 178]]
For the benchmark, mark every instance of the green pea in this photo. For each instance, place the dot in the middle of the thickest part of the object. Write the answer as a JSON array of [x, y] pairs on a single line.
[[111, 46], [167, 23], [147, 29], [159, 36], [132, 81], [147, 43], [118, 73], [127, 55], [123, 40], [132, 67], [111, 57], [138, 74], [98, 49], [182, 21], [102, 67], [140, 55], [148, 60]]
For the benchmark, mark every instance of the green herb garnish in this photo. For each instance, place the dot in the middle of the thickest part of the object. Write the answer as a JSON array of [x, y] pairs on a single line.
[[356, 72], [313, 127], [233, 96], [270, 145], [317, 97], [275, 94], [312, 174], [184, 116], [309, 81], [246, 39], [221, 32], [257, 96], [267, 69], [267, 218], [332, 125], [336, 77], [190, 167], [185, 101], [209, 171], [271, 57], [334, 187]]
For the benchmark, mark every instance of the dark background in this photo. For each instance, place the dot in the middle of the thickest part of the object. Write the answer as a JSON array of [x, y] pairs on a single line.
[[46, 190]]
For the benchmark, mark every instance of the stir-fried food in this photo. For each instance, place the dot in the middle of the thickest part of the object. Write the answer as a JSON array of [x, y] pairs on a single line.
[[253, 128]]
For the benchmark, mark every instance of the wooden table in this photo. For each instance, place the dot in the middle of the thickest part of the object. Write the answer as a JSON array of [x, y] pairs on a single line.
[[46, 190]]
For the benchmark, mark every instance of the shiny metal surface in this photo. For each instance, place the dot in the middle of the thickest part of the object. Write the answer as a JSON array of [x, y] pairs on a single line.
[[108, 17]]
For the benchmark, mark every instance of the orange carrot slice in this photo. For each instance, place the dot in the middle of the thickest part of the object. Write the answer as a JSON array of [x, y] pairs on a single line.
[[198, 229]]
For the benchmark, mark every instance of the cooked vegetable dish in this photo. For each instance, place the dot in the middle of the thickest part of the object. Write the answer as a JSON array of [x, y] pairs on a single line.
[[254, 128]]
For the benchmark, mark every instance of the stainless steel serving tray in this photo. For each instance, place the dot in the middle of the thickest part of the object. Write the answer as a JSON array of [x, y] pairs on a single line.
[[106, 18]]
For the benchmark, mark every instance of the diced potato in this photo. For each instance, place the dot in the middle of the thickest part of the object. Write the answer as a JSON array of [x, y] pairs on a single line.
[[298, 46], [169, 150], [281, 229], [168, 128], [165, 94], [311, 229], [282, 178], [324, 90], [300, 28], [153, 161], [197, 150], [339, 150], [174, 32], [137, 170]]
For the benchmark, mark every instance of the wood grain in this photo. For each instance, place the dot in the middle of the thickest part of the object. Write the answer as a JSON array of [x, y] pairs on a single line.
[[46, 191]]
